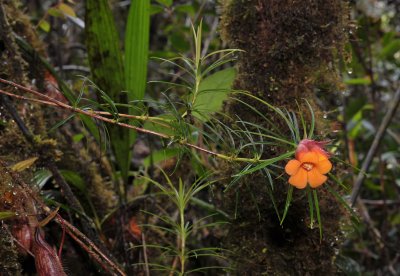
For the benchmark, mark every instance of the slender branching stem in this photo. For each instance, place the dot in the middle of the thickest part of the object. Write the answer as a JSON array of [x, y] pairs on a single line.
[[101, 115]]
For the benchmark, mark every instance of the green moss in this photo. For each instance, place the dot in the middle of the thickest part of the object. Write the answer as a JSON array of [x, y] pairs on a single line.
[[291, 49]]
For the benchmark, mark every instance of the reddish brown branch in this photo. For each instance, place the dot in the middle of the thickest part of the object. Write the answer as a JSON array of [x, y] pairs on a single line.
[[89, 246], [66, 189], [52, 102]]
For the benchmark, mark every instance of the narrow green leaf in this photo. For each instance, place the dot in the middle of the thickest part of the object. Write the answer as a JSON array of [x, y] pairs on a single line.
[[339, 182], [41, 177], [136, 48], [277, 110], [268, 162], [208, 207], [270, 189], [312, 125], [287, 204], [303, 122], [103, 48], [237, 177], [293, 119], [107, 69], [136, 53], [390, 49], [91, 126], [61, 123], [318, 213], [311, 206], [358, 81], [342, 201], [74, 179]]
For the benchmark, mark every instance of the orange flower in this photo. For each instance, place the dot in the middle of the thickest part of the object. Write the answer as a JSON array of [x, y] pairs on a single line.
[[310, 166]]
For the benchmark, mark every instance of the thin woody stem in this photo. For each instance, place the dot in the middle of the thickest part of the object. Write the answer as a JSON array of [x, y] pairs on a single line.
[[156, 120], [86, 248], [374, 147], [90, 247], [77, 110], [98, 115]]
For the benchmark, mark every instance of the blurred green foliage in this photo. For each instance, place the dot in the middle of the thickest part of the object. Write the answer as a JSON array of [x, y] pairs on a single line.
[[372, 77]]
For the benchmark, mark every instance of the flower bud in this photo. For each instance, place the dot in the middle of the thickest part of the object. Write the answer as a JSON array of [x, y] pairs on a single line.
[[307, 145]]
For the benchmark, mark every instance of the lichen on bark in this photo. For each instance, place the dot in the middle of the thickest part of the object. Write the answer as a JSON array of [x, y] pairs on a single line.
[[291, 50]]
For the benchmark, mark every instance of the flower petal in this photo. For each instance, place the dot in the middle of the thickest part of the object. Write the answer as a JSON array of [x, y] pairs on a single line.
[[299, 180], [322, 155], [315, 178], [301, 149], [292, 167], [324, 166], [309, 157]]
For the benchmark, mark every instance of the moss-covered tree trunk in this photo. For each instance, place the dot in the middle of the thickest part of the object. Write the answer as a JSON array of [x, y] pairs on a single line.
[[291, 50]]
